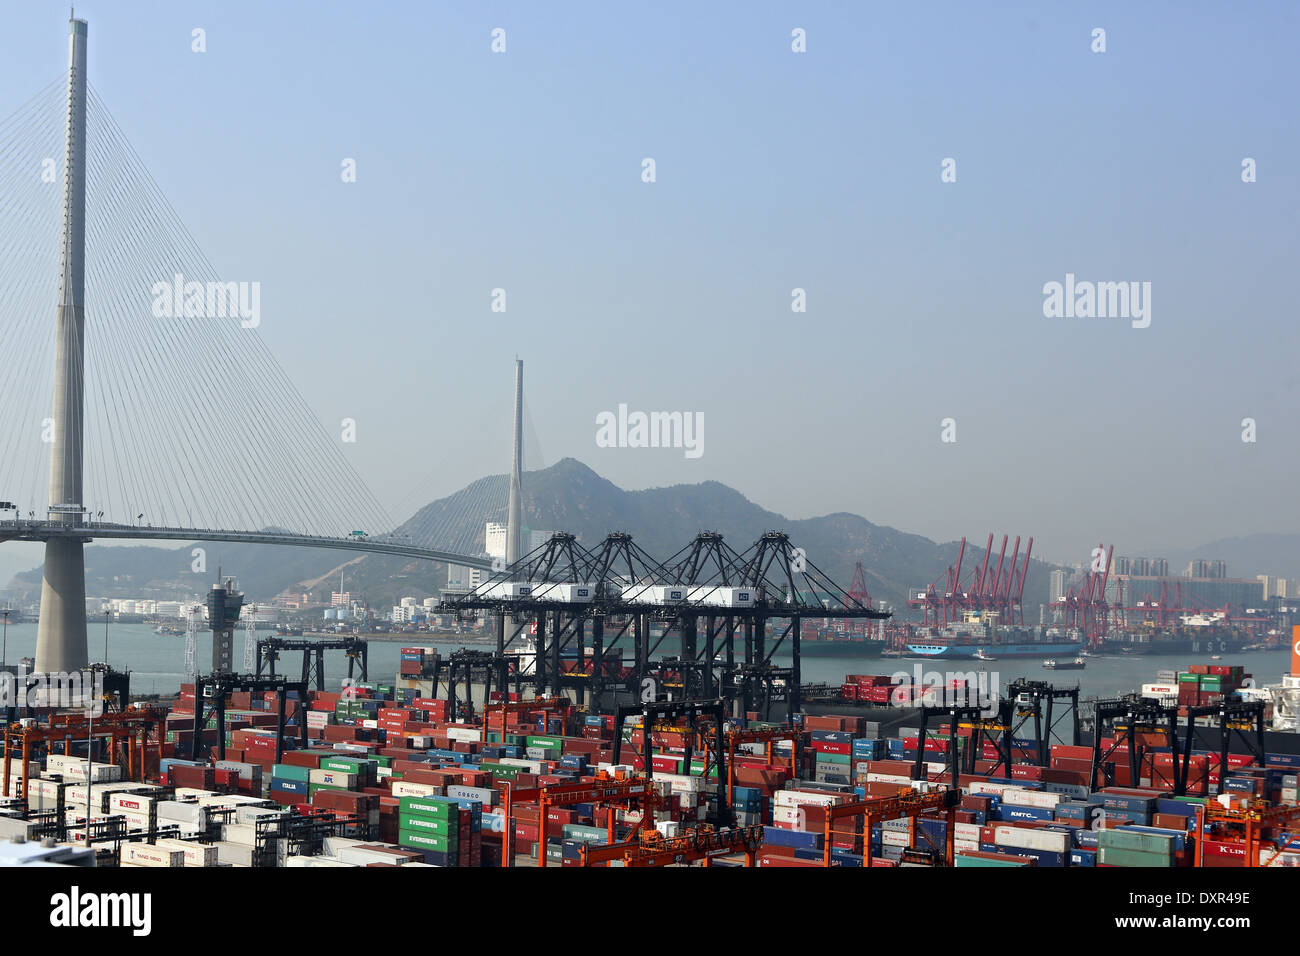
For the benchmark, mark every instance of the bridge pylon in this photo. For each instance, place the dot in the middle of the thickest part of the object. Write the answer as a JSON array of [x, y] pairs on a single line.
[[61, 633]]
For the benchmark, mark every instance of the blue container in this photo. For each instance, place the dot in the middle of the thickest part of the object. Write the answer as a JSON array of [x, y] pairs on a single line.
[[1086, 839], [795, 838], [1025, 813], [289, 786], [833, 736], [869, 749], [1282, 760], [1127, 804], [1175, 806], [1072, 811], [1043, 857], [1083, 857]]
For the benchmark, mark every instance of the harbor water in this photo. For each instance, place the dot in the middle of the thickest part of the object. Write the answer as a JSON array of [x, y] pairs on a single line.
[[157, 662]]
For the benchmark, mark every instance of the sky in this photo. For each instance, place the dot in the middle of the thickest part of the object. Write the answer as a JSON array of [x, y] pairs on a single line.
[[774, 170]]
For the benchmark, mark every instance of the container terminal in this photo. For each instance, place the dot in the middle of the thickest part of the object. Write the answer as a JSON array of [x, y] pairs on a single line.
[[555, 748]]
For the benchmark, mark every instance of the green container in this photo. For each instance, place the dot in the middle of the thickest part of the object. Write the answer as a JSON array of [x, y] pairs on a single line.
[[503, 770], [1116, 856], [421, 840], [1137, 841], [434, 807], [845, 759], [546, 743], [960, 860], [287, 771], [586, 834], [419, 823]]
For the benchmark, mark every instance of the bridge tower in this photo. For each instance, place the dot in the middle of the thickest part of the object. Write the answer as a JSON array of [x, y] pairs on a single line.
[[61, 634], [514, 517]]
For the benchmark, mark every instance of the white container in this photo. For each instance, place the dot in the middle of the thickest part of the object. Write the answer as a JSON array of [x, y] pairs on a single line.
[[194, 854], [654, 594], [712, 596], [130, 803], [483, 795], [316, 861], [145, 854], [558, 591], [966, 831], [244, 833], [508, 591], [190, 793], [1040, 799], [333, 778], [894, 838], [464, 734], [189, 816], [234, 854], [794, 798], [409, 788], [1025, 838]]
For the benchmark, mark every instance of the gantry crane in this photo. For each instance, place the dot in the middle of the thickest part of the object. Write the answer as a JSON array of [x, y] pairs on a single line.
[[702, 844], [130, 726], [879, 809], [770, 736], [603, 790], [1252, 819]]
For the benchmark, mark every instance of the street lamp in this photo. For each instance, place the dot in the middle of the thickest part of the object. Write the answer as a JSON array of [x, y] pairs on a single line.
[[4, 650], [108, 613]]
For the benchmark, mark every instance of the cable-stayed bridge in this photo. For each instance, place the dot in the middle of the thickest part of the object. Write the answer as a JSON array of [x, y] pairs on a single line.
[[171, 419]]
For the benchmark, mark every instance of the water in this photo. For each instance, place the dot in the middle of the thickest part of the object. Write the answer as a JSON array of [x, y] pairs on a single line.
[[157, 663]]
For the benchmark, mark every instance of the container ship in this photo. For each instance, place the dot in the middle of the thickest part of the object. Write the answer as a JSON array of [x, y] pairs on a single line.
[[1207, 640], [975, 639]]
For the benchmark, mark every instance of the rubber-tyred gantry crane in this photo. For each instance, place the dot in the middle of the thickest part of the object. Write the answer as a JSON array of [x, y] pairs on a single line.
[[1250, 821], [131, 726], [700, 844], [770, 736], [879, 809], [603, 790]]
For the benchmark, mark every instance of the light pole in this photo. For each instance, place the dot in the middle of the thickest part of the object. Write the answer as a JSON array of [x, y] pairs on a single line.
[[108, 613], [4, 650]]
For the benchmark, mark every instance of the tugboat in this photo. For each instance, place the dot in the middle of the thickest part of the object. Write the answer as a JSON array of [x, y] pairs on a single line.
[[1077, 664], [980, 655]]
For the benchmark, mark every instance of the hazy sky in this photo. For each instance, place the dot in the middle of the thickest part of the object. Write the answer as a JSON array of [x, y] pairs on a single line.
[[775, 170]]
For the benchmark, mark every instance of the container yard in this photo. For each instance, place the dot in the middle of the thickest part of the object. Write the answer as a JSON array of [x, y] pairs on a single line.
[[376, 776]]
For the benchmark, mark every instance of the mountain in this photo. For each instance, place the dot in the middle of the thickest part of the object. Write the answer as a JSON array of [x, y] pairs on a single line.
[[566, 496]]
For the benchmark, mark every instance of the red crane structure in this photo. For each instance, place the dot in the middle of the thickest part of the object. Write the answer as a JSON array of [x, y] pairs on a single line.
[[996, 592], [858, 592], [1087, 607]]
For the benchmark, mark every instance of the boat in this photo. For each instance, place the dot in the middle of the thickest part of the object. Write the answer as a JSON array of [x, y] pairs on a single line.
[[1078, 664], [980, 655]]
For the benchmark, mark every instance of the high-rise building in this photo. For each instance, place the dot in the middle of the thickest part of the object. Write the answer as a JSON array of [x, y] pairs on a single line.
[[1057, 589]]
